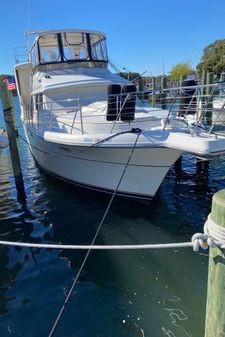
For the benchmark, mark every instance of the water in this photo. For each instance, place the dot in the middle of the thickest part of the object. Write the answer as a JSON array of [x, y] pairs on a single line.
[[120, 293]]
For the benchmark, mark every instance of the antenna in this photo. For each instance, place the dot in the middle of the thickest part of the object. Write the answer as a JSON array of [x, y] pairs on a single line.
[[163, 67], [28, 15]]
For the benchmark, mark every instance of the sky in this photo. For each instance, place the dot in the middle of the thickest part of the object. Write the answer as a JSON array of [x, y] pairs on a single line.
[[142, 36]]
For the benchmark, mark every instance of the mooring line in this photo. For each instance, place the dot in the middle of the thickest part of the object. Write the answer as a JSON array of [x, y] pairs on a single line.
[[92, 243], [98, 247], [84, 150], [213, 236]]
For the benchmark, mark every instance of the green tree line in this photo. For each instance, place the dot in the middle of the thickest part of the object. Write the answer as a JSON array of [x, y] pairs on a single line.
[[3, 76], [212, 60]]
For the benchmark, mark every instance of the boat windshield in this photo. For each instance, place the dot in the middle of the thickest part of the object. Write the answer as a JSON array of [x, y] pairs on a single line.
[[69, 46], [49, 49]]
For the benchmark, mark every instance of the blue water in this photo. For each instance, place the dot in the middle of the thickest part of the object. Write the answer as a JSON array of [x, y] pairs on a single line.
[[119, 294]]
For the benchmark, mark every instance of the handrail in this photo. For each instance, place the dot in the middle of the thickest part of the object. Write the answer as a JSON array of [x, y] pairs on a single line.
[[217, 117], [81, 116], [169, 113], [83, 111]]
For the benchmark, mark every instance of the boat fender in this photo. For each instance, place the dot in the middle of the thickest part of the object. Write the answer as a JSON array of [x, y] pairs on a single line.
[[113, 102], [128, 103], [186, 97]]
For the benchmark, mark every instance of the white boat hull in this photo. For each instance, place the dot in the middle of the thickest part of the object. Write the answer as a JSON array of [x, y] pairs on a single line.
[[101, 168]]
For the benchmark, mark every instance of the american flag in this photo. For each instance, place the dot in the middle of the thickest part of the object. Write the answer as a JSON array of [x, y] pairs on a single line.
[[10, 82]]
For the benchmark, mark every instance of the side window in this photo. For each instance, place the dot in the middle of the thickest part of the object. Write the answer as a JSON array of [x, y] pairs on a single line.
[[98, 47], [49, 50], [34, 55]]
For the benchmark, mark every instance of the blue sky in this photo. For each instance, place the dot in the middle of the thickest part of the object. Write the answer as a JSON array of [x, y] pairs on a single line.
[[142, 35]]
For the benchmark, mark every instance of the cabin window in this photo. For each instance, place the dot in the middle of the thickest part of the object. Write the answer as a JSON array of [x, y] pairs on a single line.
[[49, 50], [74, 46], [34, 55], [98, 47]]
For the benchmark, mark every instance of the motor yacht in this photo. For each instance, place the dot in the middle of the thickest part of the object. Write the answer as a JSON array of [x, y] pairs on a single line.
[[88, 126]]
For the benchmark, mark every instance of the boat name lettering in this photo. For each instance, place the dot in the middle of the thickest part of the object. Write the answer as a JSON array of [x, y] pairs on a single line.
[[91, 140]]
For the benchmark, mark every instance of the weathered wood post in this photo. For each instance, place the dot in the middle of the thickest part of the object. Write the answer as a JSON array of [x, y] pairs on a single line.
[[222, 77], [9, 113], [209, 105], [182, 78], [203, 93], [204, 81], [215, 307], [141, 87], [163, 94], [153, 91]]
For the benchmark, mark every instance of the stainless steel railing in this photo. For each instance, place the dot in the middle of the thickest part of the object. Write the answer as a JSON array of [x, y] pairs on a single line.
[[203, 108]]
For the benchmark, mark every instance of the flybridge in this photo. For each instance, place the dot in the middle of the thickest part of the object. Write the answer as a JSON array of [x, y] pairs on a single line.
[[68, 46]]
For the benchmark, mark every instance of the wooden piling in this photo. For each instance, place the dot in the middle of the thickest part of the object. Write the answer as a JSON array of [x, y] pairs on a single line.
[[208, 91], [203, 98], [153, 91], [163, 94], [9, 117], [222, 77], [203, 89], [182, 78], [215, 307]]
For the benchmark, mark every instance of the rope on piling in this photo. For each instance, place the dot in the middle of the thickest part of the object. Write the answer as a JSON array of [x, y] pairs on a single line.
[[215, 233]]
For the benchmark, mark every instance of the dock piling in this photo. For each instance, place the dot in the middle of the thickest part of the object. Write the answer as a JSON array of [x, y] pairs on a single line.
[[209, 106], [215, 307], [153, 91], [203, 93], [163, 94], [9, 113]]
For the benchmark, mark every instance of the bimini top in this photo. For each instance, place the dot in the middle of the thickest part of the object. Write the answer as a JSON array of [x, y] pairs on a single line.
[[41, 32], [67, 46]]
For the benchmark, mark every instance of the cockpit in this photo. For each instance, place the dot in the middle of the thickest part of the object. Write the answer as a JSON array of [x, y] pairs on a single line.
[[64, 47]]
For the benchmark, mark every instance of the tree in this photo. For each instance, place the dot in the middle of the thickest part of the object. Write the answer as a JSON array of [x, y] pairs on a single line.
[[213, 58], [3, 76], [180, 69], [129, 75]]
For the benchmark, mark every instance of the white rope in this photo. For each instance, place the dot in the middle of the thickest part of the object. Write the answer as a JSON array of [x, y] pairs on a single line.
[[214, 235], [97, 247]]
